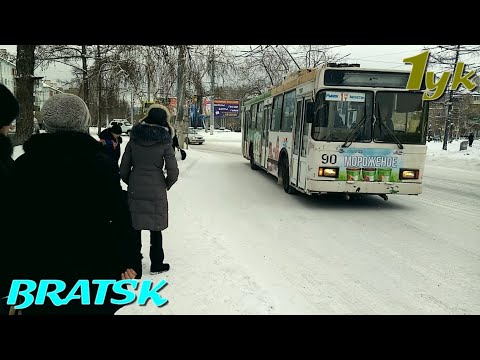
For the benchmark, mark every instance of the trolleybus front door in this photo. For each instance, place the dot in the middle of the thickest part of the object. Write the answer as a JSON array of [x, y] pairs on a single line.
[[303, 145], [295, 163], [265, 127], [300, 142]]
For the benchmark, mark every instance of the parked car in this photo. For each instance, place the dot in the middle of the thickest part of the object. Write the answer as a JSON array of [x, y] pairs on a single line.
[[124, 124], [193, 137]]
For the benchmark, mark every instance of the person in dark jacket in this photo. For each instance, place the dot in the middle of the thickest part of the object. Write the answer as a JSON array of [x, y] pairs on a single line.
[[176, 146], [111, 139], [9, 110], [470, 139], [64, 231], [141, 168], [175, 143]]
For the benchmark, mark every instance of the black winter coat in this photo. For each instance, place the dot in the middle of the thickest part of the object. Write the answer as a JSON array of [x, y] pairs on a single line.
[[111, 145], [6, 211], [71, 221], [6, 161], [149, 149]]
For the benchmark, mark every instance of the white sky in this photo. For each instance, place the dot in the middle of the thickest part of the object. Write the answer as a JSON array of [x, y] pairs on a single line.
[[373, 56], [237, 244]]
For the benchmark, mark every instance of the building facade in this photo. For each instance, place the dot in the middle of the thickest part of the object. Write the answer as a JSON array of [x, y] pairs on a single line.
[[7, 71], [43, 91]]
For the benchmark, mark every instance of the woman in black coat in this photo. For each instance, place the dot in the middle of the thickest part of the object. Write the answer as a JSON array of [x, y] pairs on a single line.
[[70, 215], [9, 110], [149, 149]]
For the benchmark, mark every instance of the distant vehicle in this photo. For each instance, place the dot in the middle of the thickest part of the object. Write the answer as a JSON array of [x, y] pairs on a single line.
[[124, 124], [193, 137]]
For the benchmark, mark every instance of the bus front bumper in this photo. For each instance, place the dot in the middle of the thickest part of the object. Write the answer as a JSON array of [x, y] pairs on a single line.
[[362, 187]]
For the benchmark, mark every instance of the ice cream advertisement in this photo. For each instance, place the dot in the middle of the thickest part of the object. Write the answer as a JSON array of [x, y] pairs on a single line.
[[370, 165]]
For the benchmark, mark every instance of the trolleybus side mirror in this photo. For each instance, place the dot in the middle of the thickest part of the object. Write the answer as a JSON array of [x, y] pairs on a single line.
[[310, 112]]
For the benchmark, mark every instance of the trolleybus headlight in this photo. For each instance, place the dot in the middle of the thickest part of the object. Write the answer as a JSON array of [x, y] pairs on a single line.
[[408, 174], [330, 172]]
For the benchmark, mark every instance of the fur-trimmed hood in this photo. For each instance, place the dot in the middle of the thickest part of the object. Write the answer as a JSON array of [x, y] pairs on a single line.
[[6, 147], [149, 134]]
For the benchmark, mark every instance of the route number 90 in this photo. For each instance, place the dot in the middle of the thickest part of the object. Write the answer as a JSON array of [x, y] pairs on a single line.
[[326, 159]]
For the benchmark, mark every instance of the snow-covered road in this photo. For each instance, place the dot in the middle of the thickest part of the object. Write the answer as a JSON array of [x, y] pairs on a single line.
[[238, 244]]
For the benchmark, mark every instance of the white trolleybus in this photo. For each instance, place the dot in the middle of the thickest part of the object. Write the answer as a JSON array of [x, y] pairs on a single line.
[[339, 129]]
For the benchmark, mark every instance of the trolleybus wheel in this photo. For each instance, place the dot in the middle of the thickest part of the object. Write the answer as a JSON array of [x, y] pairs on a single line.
[[286, 177]]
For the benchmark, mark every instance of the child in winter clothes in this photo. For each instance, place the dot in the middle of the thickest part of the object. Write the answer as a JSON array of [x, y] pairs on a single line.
[[111, 139]]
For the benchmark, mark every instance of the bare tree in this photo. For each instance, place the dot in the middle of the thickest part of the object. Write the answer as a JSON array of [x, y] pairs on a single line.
[[265, 66], [69, 55], [25, 64]]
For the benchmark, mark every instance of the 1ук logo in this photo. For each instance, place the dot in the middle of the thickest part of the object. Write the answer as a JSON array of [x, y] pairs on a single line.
[[419, 65]]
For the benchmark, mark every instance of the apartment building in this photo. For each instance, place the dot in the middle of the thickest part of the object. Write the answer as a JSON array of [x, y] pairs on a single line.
[[7, 71]]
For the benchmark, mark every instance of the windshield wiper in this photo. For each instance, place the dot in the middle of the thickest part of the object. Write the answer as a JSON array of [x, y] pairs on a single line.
[[330, 136], [353, 135], [399, 144]]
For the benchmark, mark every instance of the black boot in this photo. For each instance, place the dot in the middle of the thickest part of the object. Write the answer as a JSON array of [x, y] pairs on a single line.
[[161, 268], [156, 254]]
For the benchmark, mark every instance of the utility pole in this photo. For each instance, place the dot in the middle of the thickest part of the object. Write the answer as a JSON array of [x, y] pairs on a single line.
[[131, 105], [449, 106], [181, 95], [212, 95]]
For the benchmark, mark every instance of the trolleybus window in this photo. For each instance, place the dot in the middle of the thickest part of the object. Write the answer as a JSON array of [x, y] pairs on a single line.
[[400, 115], [277, 112], [248, 119], [305, 131], [259, 116], [253, 109], [340, 114], [288, 110]]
